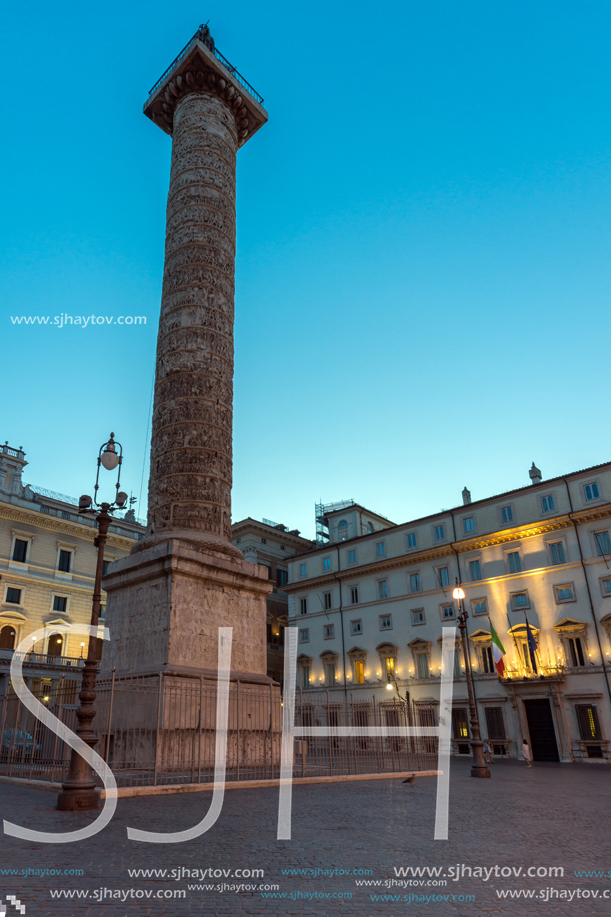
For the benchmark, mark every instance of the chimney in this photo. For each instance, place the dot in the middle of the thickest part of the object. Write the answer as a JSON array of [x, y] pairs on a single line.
[[535, 474], [466, 496]]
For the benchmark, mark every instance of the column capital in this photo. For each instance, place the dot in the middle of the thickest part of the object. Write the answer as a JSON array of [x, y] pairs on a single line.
[[200, 68]]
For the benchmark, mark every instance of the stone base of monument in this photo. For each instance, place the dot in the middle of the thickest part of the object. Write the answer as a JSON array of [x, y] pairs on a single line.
[[165, 606]]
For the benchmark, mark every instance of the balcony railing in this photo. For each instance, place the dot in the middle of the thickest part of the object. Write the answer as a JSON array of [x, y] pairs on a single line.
[[235, 73], [74, 662]]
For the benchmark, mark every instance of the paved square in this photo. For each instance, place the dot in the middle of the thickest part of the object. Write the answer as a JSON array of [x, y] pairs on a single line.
[[550, 816]]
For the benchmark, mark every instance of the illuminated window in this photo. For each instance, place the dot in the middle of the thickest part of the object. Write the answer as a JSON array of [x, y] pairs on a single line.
[[469, 524], [514, 561], [383, 589], [440, 532], [359, 671], [475, 570], [507, 513], [548, 503], [412, 540], [460, 728], [390, 665], [414, 582], [587, 718]]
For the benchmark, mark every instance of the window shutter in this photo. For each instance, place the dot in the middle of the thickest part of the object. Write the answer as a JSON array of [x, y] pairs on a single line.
[[587, 718], [460, 729], [494, 722]]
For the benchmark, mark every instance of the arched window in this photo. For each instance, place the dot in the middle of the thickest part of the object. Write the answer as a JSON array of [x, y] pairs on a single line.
[[56, 643], [7, 638], [369, 528], [342, 530]]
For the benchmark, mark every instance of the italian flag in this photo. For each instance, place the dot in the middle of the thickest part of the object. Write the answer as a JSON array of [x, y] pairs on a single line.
[[498, 651]]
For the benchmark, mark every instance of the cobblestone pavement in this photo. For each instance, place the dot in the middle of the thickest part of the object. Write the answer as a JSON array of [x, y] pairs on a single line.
[[549, 816]]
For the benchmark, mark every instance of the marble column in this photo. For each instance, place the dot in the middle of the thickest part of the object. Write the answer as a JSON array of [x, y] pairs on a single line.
[[185, 577]]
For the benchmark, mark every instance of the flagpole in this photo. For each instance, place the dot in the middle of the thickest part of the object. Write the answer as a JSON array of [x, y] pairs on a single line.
[[515, 642]]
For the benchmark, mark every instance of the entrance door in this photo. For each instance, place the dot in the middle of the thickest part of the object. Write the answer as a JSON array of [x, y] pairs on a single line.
[[541, 728]]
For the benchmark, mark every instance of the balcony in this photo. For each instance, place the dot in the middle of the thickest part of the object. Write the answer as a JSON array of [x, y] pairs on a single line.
[[43, 659]]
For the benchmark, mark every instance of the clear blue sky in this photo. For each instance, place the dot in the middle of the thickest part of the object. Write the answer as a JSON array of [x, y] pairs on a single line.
[[423, 244]]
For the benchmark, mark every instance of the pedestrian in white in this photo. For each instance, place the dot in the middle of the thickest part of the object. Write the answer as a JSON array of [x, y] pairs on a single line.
[[488, 756], [527, 752]]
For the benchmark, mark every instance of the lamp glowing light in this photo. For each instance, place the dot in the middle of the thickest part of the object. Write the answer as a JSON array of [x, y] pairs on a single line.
[[458, 593]]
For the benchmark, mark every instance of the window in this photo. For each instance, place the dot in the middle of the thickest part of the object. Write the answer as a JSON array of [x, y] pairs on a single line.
[[13, 596], [576, 654], [383, 589], [238, 541], [605, 586], [591, 491], [282, 577], [440, 532], [556, 550], [105, 567], [264, 541], [359, 671], [303, 606], [304, 635], [603, 544], [7, 637], [283, 547], [380, 549], [443, 575], [60, 603], [389, 666], [354, 595], [460, 728], [305, 676], [342, 530], [587, 718], [329, 631], [66, 515], [326, 563], [494, 722], [514, 561], [507, 513], [64, 560], [475, 570], [20, 551], [548, 503], [385, 622], [330, 673], [414, 582], [519, 600], [356, 627], [55, 645], [479, 606], [369, 528], [423, 665], [469, 524], [564, 593], [418, 616], [412, 540], [303, 569], [351, 557], [448, 612], [487, 660], [326, 600]]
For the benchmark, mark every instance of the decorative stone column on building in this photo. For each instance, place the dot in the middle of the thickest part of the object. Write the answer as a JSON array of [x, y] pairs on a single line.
[[186, 578]]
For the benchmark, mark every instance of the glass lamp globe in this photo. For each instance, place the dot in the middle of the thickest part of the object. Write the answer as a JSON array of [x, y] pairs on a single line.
[[110, 459]]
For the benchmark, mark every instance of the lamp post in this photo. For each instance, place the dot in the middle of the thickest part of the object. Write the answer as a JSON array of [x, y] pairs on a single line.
[[479, 768], [79, 790]]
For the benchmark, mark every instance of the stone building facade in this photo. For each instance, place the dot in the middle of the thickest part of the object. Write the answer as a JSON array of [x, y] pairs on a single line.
[[271, 544], [370, 610], [47, 570]]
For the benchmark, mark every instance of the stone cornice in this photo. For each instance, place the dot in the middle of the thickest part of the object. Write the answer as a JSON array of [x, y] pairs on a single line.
[[54, 524], [200, 71]]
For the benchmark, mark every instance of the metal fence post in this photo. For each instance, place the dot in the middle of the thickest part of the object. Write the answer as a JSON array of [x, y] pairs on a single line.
[[237, 729], [157, 732]]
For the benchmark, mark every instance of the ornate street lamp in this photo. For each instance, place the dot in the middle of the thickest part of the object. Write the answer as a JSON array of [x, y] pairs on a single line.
[[79, 790], [479, 768]]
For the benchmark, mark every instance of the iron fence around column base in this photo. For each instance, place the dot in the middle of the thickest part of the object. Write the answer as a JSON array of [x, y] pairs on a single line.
[[161, 730]]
